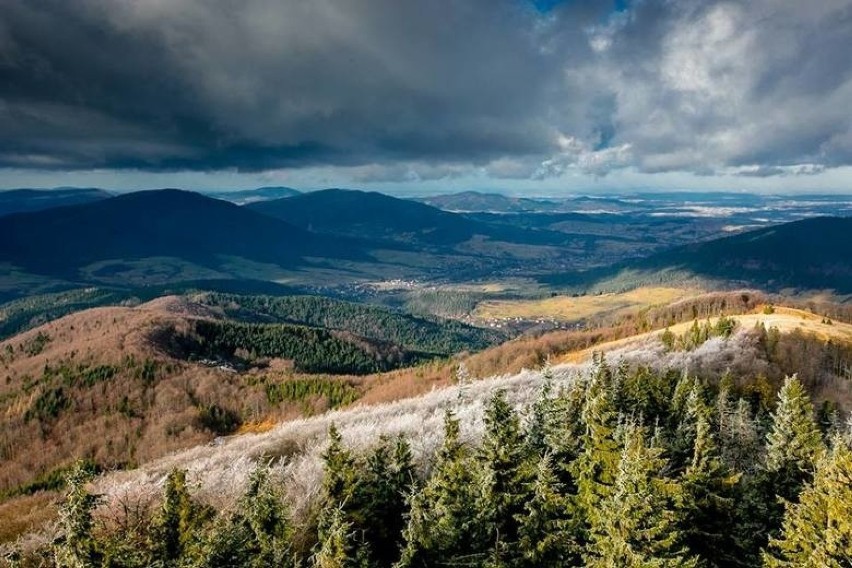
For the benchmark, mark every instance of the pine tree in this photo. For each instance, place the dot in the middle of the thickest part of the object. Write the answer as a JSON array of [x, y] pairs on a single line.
[[636, 525], [597, 463], [265, 517], [709, 498], [381, 500], [818, 529], [442, 518], [550, 531], [335, 548], [340, 472], [77, 548], [506, 472], [176, 525], [794, 443]]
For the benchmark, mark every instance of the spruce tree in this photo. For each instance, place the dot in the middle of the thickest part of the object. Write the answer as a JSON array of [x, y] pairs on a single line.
[[564, 442], [817, 530], [265, 517], [177, 521], [694, 410], [710, 490], [442, 517], [335, 548], [540, 422], [794, 444], [506, 471], [381, 499], [637, 524], [339, 482], [550, 530], [77, 548], [597, 463], [740, 441]]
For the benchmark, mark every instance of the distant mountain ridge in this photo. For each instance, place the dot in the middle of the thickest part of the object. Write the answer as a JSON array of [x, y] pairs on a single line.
[[813, 253], [475, 201], [155, 224], [377, 216], [28, 200], [245, 196]]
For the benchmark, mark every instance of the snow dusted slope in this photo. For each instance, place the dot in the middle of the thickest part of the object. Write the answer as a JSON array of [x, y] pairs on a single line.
[[220, 470]]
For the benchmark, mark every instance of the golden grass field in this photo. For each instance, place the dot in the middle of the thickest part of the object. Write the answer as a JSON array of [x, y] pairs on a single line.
[[785, 319], [569, 308]]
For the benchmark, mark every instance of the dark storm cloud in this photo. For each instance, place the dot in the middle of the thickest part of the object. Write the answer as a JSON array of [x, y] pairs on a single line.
[[416, 90]]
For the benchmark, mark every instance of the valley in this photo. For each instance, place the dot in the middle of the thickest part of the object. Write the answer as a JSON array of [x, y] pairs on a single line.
[[175, 330]]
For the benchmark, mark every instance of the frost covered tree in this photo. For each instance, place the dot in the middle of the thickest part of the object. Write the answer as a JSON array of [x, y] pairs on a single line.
[[442, 517], [550, 530], [638, 524], [77, 548], [817, 530]]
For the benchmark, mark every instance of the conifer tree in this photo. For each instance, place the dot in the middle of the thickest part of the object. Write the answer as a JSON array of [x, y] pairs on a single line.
[[709, 498], [335, 548], [695, 409], [178, 519], [381, 500], [795, 437], [265, 517], [597, 463], [637, 524], [77, 548], [506, 472], [564, 442], [550, 531], [740, 442], [817, 530], [794, 443], [340, 472], [442, 515], [540, 423]]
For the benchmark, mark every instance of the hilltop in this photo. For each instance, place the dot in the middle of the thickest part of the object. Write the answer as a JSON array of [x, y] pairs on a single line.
[[245, 196], [151, 237], [27, 200], [121, 385], [378, 216], [813, 254]]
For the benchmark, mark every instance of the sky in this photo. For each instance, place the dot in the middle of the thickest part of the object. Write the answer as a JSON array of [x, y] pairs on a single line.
[[537, 97]]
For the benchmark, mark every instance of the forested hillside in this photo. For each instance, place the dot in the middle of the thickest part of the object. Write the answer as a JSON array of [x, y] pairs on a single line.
[[811, 254], [431, 335], [312, 350], [617, 468]]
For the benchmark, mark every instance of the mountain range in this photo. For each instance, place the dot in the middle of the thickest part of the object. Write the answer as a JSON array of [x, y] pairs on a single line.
[[811, 254], [156, 236], [26, 200], [336, 236]]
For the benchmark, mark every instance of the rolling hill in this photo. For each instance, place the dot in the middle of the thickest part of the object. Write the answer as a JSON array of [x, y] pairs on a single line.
[[243, 197], [152, 237], [813, 254], [377, 216], [475, 201], [27, 200], [121, 385]]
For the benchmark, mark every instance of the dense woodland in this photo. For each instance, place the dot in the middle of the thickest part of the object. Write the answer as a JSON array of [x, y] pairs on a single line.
[[620, 468], [417, 333], [312, 350]]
